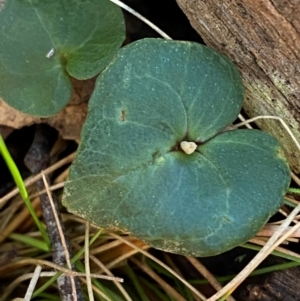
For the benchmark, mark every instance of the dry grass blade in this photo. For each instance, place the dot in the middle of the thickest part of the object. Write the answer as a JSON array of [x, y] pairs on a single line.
[[170, 262], [12, 286], [51, 188], [268, 231], [105, 247], [286, 127], [87, 262], [296, 179], [108, 272], [206, 274], [172, 292], [197, 293], [287, 234], [259, 242], [9, 213], [120, 259], [17, 221], [97, 291], [291, 200], [242, 118], [32, 261], [104, 268], [285, 214], [264, 252], [139, 16], [33, 282], [33, 179]]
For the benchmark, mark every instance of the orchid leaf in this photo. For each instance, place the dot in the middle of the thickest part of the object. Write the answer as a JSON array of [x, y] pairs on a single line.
[[131, 172]]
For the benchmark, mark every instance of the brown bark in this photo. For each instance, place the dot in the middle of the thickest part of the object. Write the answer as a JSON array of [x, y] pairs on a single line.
[[278, 286], [262, 37]]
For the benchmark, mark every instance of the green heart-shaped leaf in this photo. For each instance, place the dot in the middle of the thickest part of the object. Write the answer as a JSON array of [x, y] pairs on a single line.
[[43, 42], [131, 173]]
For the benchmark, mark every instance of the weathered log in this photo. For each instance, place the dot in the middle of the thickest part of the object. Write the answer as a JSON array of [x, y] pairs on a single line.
[[262, 37], [278, 286]]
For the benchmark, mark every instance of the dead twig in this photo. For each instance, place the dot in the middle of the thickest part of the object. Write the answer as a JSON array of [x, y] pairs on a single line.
[[37, 159]]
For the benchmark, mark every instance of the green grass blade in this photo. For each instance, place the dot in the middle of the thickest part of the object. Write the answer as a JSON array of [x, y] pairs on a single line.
[[161, 295], [21, 186], [273, 268], [289, 203], [294, 190], [33, 242], [13, 168], [275, 253], [111, 294], [142, 295], [49, 297], [178, 285]]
